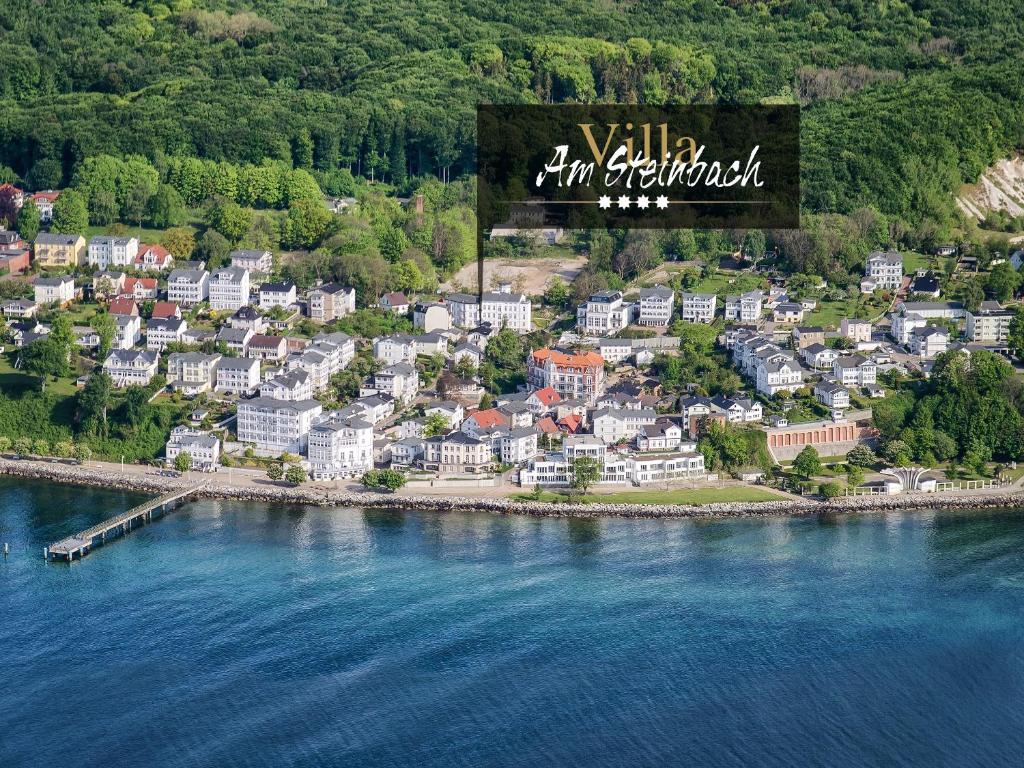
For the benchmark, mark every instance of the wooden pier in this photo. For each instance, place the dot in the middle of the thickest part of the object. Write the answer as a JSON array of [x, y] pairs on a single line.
[[82, 543]]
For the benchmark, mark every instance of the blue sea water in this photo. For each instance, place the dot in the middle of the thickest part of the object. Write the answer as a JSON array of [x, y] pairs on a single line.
[[231, 634]]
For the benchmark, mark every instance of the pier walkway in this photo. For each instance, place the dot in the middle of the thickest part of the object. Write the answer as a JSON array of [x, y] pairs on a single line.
[[82, 543]]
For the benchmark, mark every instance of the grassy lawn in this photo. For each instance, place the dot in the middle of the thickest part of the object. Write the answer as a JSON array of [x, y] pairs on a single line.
[[679, 496], [13, 380], [830, 313]]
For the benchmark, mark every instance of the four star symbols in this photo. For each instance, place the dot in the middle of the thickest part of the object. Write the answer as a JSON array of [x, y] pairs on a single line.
[[643, 202]]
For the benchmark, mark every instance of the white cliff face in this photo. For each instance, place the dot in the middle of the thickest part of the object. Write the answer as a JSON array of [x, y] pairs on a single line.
[[1000, 187]]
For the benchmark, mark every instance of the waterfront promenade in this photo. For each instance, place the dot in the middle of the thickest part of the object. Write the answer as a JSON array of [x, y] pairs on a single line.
[[254, 486]]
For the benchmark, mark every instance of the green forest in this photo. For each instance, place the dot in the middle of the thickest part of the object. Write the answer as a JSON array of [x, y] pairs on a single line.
[[902, 101]]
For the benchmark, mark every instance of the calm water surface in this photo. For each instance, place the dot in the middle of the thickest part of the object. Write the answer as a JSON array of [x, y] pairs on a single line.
[[233, 634]]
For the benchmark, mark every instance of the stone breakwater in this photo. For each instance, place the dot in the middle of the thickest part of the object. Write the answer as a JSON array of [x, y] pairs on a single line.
[[268, 492]]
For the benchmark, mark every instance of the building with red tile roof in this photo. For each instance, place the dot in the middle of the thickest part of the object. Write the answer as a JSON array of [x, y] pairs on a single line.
[[570, 375], [123, 305], [163, 310]]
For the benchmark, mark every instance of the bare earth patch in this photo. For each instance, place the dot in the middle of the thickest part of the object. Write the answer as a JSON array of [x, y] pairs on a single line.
[[531, 275]]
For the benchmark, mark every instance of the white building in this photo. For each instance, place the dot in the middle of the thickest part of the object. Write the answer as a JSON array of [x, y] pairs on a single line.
[[339, 447], [465, 310], [990, 324], [203, 447], [744, 308], [331, 301], [934, 310], [163, 331], [127, 331], [835, 396], [292, 385], [54, 290], [855, 371], [663, 435], [603, 314], [274, 427], [399, 348], [739, 410], [452, 412], [238, 375], [819, 357], [400, 381], [699, 307], [326, 356], [261, 262], [616, 425], [430, 316], [656, 305], [130, 367], [929, 341], [505, 309], [776, 376], [903, 324], [235, 339], [280, 294], [885, 269], [109, 251], [229, 289], [857, 331], [192, 372], [188, 287], [517, 446]]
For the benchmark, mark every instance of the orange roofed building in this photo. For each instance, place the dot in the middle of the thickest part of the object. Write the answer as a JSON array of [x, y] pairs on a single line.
[[571, 376]]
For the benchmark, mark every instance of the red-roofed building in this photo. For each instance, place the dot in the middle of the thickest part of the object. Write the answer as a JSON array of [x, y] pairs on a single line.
[[123, 305], [543, 400], [165, 310], [139, 288], [17, 195], [571, 424], [153, 257], [547, 426], [579, 375], [44, 202], [483, 423], [395, 302]]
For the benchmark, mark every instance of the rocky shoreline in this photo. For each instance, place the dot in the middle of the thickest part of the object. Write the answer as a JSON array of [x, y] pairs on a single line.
[[100, 477]]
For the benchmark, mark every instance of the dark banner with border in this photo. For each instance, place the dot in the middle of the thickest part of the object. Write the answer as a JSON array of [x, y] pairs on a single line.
[[636, 166]]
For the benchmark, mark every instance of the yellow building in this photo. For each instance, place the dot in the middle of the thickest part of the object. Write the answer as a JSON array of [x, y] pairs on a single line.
[[53, 250]]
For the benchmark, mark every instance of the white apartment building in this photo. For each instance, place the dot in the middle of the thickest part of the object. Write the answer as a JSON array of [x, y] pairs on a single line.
[[274, 427], [292, 385], [662, 435], [328, 354], [127, 331], [203, 447], [282, 294], [192, 372], [502, 308], [656, 305], [517, 446], [990, 324], [885, 269], [163, 331], [855, 371], [400, 348], [833, 395], [857, 331], [603, 314], [699, 307], [54, 290], [130, 367], [339, 447], [331, 301], [261, 262], [929, 341], [745, 307], [400, 381], [636, 469], [616, 425], [235, 339], [465, 310], [903, 324], [188, 287], [784, 375], [109, 251], [229, 289], [238, 375]]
